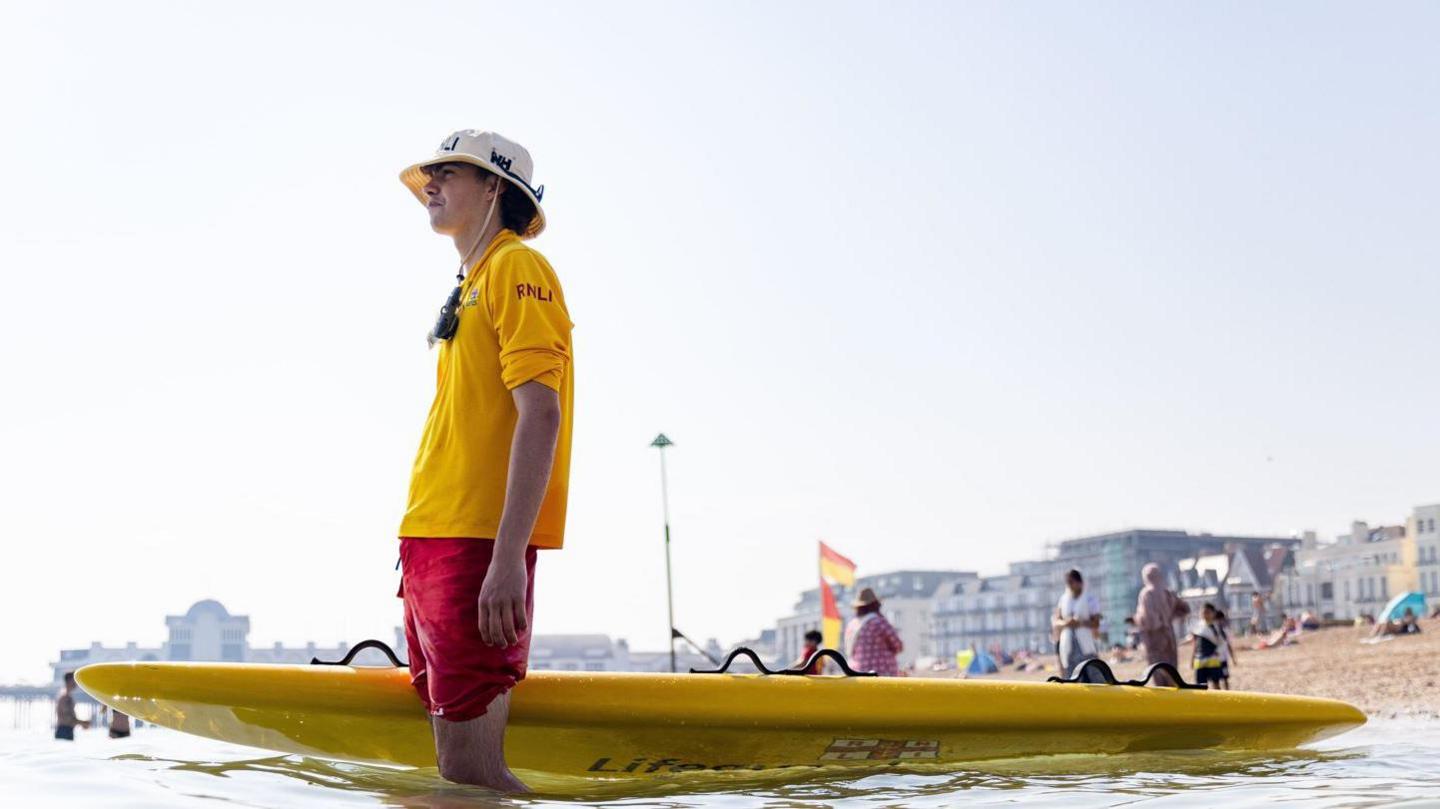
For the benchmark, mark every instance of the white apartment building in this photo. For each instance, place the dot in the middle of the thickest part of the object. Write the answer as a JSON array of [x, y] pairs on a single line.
[[1427, 553], [1009, 612], [1359, 571], [578, 653]]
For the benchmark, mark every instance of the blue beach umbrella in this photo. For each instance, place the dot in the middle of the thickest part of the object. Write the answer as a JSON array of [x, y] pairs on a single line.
[[1395, 610]]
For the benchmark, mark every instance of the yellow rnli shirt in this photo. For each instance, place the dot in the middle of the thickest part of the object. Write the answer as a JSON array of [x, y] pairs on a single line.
[[514, 328]]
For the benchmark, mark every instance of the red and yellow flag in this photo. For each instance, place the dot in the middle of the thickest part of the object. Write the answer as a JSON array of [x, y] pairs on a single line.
[[834, 569]]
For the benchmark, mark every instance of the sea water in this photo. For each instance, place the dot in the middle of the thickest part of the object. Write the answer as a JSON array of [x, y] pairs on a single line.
[[1385, 763]]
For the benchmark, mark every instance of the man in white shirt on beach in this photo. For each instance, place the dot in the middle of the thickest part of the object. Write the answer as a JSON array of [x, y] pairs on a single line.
[[1077, 624]]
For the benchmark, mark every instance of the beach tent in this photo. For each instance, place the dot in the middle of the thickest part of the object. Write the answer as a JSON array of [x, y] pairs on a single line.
[[1395, 610], [971, 661], [983, 663]]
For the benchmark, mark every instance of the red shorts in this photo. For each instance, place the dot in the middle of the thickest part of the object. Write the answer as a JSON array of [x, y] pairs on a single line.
[[454, 672]]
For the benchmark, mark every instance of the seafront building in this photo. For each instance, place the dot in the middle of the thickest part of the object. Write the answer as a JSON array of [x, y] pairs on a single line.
[[1359, 571], [602, 653], [1232, 579], [1427, 553], [206, 632], [209, 632], [1010, 612]]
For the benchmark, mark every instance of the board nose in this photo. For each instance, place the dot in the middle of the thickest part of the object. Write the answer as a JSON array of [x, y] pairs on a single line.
[[103, 681]]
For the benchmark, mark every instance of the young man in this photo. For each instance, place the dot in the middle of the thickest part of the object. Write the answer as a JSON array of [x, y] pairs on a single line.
[[1077, 625], [490, 479], [65, 719]]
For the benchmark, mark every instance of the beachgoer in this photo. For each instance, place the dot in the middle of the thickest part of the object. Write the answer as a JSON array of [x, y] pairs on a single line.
[[1132, 633], [813, 639], [65, 719], [1258, 624], [490, 479], [1284, 636], [871, 643], [1207, 656], [119, 724], [1077, 624], [1155, 614], [1409, 624], [1227, 651]]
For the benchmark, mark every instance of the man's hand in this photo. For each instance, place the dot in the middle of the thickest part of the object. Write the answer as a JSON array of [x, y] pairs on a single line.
[[502, 602]]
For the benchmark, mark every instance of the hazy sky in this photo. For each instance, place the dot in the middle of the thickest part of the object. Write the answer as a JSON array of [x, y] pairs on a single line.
[[939, 283]]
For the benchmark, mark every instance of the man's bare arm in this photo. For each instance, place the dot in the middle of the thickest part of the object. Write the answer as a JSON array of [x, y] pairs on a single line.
[[532, 453]]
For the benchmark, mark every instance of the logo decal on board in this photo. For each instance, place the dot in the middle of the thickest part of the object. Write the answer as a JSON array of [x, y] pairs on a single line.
[[881, 750]]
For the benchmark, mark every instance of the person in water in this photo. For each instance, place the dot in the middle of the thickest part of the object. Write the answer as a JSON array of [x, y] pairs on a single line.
[[65, 719], [1077, 626], [119, 724], [1155, 614], [871, 642], [490, 479], [813, 639]]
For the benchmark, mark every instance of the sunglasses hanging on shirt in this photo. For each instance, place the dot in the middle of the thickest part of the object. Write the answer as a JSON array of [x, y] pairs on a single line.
[[449, 319]]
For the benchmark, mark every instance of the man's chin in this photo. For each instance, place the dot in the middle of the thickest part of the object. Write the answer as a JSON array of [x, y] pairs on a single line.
[[439, 224]]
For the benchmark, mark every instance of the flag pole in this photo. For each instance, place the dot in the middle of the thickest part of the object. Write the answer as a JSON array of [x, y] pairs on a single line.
[[661, 442]]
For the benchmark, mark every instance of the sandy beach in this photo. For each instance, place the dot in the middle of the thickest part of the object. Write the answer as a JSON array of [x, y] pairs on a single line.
[[1394, 678]]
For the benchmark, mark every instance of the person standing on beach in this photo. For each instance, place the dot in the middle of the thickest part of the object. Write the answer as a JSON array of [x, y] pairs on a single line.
[[1209, 654], [871, 642], [1077, 622], [490, 479], [1258, 624], [65, 719], [1155, 614]]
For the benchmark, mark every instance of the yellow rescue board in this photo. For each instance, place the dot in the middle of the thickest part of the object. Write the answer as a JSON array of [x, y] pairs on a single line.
[[624, 726]]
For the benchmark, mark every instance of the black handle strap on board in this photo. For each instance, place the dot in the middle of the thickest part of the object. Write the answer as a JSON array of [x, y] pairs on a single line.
[[357, 649], [1102, 668], [801, 670]]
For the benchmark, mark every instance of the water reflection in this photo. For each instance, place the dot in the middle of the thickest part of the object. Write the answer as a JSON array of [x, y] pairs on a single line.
[[1080, 780]]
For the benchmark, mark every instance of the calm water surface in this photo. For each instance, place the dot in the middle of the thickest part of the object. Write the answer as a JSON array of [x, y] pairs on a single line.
[[1386, 763]]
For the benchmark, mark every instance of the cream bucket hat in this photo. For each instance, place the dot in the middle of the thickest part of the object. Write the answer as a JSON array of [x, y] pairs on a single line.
[[494, 153]]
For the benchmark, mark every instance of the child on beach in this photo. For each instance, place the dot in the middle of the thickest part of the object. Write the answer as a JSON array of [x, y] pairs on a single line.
[[1208, 653]]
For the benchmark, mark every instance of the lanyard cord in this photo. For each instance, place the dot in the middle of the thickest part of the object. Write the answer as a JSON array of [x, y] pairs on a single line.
[[465, 262]]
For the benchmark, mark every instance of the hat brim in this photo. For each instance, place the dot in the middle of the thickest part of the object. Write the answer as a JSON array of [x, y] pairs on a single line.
[[415, 179]]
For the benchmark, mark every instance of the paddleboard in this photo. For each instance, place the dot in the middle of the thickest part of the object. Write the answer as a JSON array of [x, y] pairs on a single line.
[[637, 726]]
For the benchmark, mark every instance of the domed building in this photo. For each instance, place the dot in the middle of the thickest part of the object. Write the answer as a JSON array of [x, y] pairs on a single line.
[[206, 632]]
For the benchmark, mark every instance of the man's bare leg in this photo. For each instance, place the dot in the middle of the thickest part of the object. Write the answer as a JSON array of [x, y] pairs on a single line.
[[473, 751]]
